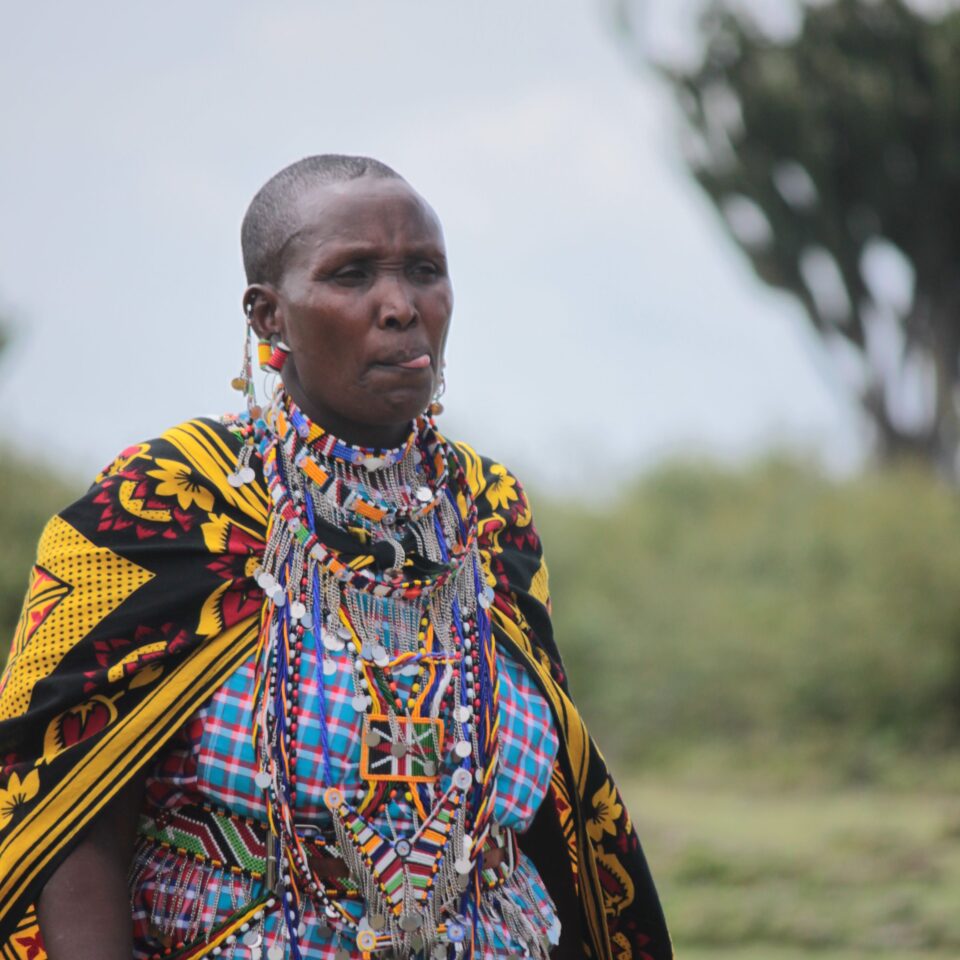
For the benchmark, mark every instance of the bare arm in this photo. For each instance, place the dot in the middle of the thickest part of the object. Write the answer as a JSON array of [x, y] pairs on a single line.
[[84, 910]]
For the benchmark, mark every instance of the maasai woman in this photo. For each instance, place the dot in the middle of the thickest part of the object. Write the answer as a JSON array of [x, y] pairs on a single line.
[[285, 682]]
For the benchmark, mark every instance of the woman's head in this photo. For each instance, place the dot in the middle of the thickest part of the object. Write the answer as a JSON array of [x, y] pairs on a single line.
[[346, 264]]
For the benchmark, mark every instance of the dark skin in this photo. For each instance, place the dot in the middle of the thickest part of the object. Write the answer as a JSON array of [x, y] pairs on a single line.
[[364, 303]]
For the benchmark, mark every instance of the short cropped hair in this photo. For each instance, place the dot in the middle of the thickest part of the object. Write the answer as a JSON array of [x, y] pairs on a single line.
[[270, 220]]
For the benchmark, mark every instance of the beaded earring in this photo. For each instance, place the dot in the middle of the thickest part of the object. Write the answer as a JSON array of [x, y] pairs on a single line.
[[435, 407], [272, 355], [244, 380]]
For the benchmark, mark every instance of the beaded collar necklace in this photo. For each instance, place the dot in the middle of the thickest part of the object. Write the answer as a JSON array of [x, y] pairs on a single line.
[[421, 652]]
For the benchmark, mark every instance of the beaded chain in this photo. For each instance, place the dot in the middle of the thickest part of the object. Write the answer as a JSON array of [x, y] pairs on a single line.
[[420, 646]]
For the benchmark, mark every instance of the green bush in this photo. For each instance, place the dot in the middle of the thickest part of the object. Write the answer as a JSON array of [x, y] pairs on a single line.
[[761, 608]]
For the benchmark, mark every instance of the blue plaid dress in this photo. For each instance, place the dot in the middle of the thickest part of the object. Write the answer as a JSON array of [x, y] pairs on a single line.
[[212, 761]]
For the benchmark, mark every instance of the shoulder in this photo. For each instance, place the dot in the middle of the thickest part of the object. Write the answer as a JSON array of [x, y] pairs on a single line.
[[208, 443], [495, 488]]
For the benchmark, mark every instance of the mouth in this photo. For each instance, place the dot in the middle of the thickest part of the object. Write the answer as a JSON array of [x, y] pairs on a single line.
[[418, 361]]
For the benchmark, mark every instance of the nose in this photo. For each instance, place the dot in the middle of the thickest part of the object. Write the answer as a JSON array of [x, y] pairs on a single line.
[[397, 308]]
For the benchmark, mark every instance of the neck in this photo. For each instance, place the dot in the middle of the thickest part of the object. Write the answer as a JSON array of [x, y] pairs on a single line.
[[377, 436]]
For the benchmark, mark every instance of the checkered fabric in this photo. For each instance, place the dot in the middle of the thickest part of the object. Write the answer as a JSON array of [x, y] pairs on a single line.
[[212, 760]]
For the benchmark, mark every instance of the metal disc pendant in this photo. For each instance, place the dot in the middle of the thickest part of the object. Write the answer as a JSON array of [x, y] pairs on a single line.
[[416, 942], [252, 938], [275, 952], [402, 848], [463, 748], [359, 703], [429, 768], [380, 657], [398, 749], [423, 494], [234, 480], [377, 921], [343, 633], [463, 713], [332, 642], [297, 610], [307, 620], [373, 463], [372, 738], [366, 651], [463, 866], [462, 779], [329, 667], [262, 780], [247, 475], [410, 922]]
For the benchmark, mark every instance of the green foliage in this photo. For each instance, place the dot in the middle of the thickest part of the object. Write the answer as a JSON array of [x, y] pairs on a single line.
[[30, 493], [825, 148], [762, 608]]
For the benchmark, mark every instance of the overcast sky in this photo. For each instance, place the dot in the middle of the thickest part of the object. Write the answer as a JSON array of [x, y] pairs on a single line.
[[600, 310]]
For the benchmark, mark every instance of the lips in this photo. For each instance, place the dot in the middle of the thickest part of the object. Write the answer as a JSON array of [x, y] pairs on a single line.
[[407, 361]]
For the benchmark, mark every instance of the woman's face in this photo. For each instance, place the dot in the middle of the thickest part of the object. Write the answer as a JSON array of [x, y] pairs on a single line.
[[364, 303]]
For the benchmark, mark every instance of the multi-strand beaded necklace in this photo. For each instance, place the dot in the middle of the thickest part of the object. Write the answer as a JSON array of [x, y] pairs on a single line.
[[372, 555]]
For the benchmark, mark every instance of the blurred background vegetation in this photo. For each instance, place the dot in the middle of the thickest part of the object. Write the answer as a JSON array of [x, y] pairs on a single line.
[[769, 654]]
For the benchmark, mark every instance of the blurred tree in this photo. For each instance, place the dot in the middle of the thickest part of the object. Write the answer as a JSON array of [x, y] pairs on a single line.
[[834, 159]]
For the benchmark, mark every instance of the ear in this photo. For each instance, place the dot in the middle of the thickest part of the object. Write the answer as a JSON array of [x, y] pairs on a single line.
[[261, 307]]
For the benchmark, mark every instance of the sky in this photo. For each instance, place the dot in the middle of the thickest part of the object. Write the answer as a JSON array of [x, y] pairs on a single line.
[[603, 319]]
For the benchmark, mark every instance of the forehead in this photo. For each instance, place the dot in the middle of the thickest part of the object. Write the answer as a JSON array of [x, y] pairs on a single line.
[[365, 211]]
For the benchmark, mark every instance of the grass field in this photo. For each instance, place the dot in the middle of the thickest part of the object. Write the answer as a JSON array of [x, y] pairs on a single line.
[[773, 873]]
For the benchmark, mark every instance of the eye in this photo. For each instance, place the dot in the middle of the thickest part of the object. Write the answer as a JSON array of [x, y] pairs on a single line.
[[352, 274], [425, 271]]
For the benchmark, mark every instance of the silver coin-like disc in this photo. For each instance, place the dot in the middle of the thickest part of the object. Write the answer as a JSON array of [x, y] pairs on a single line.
[[359, 703], [275, 952], [429, 768], [463, 748], [297, 610], [372, 738], [377, 921], [373, 463], [247, 475], [463, 712], [329, 667], [252, 938], [262, 779], [366, 651], [416, 942], [302, 930], [379, 652], [307, 620], [463, 866], [234, 480], [423, 494], [343, 633], [462, 779], [410, 922], [398, 749], [332, 642]]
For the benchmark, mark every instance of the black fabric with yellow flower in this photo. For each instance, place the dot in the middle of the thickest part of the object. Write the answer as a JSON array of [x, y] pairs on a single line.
[[142, 603]]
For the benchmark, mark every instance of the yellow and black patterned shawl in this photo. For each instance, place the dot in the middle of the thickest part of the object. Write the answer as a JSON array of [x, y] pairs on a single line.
[[142, 603]]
